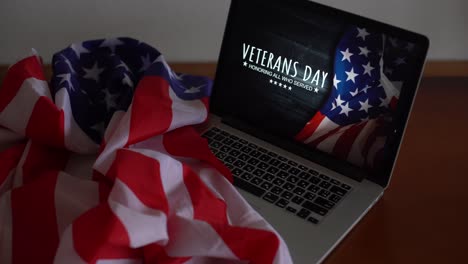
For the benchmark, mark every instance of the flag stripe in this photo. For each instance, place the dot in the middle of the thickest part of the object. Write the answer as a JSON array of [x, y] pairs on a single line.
[[6, 222], [345, 141]]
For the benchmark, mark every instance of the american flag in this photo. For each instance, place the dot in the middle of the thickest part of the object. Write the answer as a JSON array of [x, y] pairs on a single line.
[[369, 71], [104, 165]]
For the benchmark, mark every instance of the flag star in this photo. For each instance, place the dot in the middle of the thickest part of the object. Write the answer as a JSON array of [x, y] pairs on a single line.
[[279, 84], [367, 68], [333, 106], [393, 41], [336, 82], [194, 89], [171, 73], [68, 63], [78, 49], [145, 62], [66, 77], [271, 81], [339, 101], [409, 46], [346, 55], [109, 99], [366, 88], [364, 51], [362, 33], [126, 80], [345, 109], [316, 90], [354, 93], [365, 106], [351, 75], [245, 63], [111, 43], [400, 60], [384, 102], [123, 65], [93, 72]]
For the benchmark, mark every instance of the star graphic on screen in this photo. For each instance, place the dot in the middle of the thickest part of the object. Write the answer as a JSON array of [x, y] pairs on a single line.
[[271, 81], [362, 33], [346, 55], [351, 75], [279, 84], [364, 51], [275, 82], [336, 82], [367, 68], [354, 93], [345, 109], [365, 106], [245, 64], [289, 88], [316, 90]]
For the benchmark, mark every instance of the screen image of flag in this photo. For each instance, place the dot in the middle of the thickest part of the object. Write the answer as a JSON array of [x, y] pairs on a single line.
[[354, 123], [102, 165]]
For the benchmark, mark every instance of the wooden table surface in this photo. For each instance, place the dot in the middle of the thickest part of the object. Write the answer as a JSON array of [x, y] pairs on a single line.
[[423, 215]]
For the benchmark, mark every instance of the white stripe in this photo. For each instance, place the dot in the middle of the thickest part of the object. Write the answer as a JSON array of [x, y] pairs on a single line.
[[329, 143], [118, 140], [379, 143], [18, 178], [144, 225], [190, 237], [6, 239], [66, 252], [186, 112], [76, 139], [172, 179], [154, 143], [7, 183], [113, 124], [73, 197], [324, 127], [119, 261], [16, 114], [355, 156], [8, 138], [80, 166]]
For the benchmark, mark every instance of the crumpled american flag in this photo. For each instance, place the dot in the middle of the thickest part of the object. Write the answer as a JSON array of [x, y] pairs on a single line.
[[104, 166], [369, 71]]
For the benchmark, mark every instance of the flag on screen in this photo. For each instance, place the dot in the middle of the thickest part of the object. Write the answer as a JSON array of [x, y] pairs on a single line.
[[369, 70], [104, 166]]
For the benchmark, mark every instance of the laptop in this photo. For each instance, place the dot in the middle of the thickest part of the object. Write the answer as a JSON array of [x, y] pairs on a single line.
[[308, 110]]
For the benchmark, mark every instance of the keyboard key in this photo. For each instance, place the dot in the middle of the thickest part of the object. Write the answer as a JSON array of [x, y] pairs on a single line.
[[284, 166], [299, 191], [338, 190], [288, 186], [334, 198], [314, 208], [272, 154], [293, 179], [324, 193], [244, 157], [215, 129], [314, 180], [252, 145], [224, 133], [246, 176], [291, 209], [266, 185], [209, 134], [270, 197], [324, 177], [278, 181], [313, 188], [268, 177], [312, 220], [276, 190], [282, 158], [239, 163], [248, 187], [346, 186], [255, 153], [309, 196], [256, 181], [234, 153], [294, 171], [236, 172], [324, 203], [230, 166], [272, 170], [302, 167], [282, 203], [303, 184], [221, 155], [258, 172], [229, 159], [233, 137], [262, 165], [303, 213], [292, 163], [325, 184], [262, 150], [219, 137], [304, 175], [227, 141], [225, 149], [215, 144], [274, 162], [297, 200], [243, 141], [282, 174], [287, 195], [336, 182], [313, 172], [249, 168], [264, 157], [253, 161]]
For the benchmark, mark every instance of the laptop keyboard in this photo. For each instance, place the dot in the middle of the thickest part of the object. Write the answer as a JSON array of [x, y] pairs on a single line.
[[293, 187]]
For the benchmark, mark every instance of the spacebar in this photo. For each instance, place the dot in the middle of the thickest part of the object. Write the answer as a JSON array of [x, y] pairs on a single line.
[[247, 186]]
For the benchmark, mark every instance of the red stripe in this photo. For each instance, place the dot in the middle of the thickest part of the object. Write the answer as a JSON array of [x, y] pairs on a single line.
[[154, 253], [345, 141], [9, 159], [310, 127], [186, 142], [151, 109], [142, 175], [16, 75], [46, 123], [99, 234], [41, 159], [35, 234], [255, 245], [317, 141], [393, 103]]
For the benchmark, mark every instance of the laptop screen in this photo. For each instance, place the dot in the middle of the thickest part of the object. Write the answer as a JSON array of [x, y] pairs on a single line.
[[315, 77]]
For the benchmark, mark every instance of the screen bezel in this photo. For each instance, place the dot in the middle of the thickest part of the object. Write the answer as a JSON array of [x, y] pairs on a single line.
[[401, 114]]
